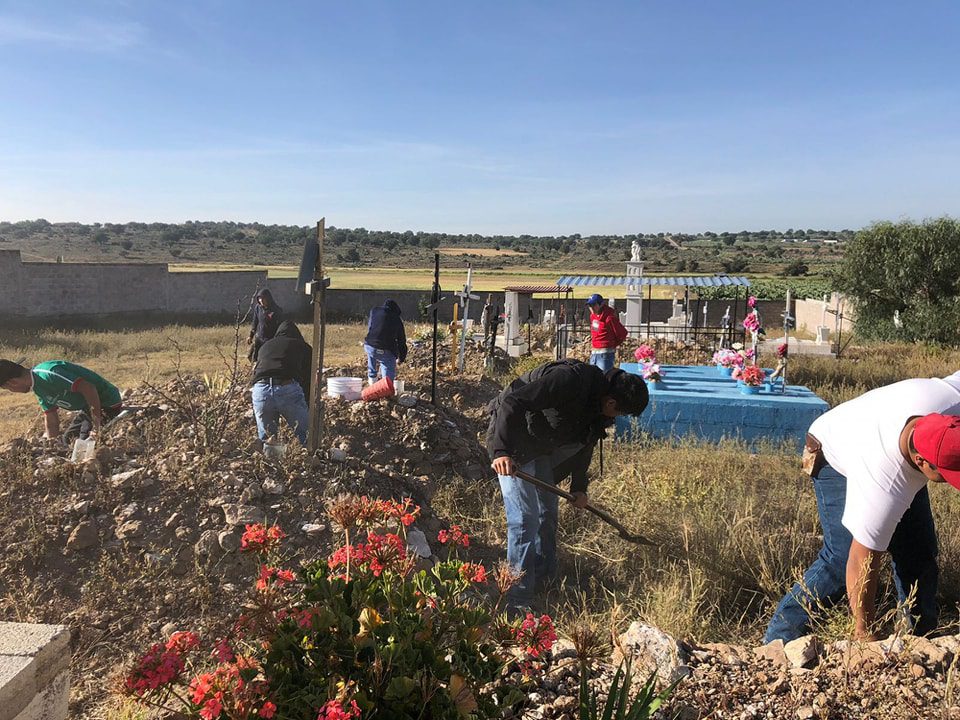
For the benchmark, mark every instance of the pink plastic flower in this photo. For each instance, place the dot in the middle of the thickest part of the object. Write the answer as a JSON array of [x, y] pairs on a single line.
[[645, 354]]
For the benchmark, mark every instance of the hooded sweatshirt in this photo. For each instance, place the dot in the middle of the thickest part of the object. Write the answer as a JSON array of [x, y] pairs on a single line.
[[266, 317], [286, 356], [553, 405], [385, 330]]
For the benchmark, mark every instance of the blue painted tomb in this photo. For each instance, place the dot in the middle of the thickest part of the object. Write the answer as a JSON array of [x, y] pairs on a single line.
[[697, 400]]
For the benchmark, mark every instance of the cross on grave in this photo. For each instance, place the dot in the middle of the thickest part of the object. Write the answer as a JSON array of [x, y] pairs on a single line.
[[465, 296]]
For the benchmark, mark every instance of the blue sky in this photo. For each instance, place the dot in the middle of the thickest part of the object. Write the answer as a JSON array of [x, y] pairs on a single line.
[[488, 117]]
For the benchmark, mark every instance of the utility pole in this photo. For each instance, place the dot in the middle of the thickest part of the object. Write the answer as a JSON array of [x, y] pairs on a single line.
[[317, 291]]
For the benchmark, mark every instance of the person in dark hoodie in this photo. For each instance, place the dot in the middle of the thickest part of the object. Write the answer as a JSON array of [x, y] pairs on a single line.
[[267, 316], [386, 342], [547, 423], [281, 383]]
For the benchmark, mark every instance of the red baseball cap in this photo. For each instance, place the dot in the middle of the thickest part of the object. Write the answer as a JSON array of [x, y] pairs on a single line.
[[937, 438]]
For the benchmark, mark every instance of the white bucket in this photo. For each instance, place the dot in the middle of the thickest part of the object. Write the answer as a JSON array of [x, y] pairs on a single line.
[[348, 388], [274, 450], [83, 450], [398, 386]]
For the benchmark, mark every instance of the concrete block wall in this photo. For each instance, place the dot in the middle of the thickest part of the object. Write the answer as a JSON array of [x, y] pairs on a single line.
[[212, 292], [10, 270], [810, 312], [53, 290], [34, 671]]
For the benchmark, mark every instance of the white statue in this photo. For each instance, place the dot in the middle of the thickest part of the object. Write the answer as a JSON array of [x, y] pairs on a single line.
[[634, 251]]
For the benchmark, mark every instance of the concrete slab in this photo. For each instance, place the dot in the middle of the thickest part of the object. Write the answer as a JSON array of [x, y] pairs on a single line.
[[49, 645], [17, 684], [51, 704]]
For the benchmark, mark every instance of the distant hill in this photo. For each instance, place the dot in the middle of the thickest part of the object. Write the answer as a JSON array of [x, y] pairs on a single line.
[[795, 252]]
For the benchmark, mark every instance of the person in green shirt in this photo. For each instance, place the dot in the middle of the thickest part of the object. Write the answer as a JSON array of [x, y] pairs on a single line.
[[61, 384]]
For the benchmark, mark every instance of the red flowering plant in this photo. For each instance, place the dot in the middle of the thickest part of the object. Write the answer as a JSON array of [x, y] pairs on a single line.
[[372, 631], [752, 375]]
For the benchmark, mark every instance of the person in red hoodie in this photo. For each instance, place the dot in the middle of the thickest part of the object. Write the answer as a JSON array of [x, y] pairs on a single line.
[[606, 332]]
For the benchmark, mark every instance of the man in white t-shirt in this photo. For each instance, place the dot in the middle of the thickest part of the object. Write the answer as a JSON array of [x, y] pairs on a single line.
[[872, 458]]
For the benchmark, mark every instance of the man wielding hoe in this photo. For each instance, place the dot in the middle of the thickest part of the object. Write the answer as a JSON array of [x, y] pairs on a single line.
[[871, 459], [546, 423], [61, 384]]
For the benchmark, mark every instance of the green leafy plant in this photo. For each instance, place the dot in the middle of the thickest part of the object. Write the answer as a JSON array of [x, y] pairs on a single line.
[[619, 705], [361, 634]]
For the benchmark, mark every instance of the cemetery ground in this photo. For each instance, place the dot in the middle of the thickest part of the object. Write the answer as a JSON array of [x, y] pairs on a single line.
[[144, 540]]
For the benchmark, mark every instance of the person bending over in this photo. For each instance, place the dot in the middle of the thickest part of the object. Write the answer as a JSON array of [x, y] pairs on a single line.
[[547, 423], [59, 384]]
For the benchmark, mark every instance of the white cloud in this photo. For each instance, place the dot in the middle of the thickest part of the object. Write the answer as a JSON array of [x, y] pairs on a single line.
[[75, 34]]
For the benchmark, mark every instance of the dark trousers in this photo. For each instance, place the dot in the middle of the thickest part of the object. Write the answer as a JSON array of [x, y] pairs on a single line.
[[81, 424]]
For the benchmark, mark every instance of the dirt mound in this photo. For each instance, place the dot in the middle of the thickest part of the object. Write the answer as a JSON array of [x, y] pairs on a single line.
[[895, 679], [144, 539]]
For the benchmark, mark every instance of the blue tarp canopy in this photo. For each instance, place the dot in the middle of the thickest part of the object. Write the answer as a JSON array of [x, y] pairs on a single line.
[[680, 281]]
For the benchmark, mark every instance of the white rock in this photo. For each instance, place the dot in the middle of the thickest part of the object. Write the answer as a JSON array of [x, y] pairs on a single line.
[[653, 650], [273, 487], [126, 479], [313, 528], [242, 514], [417, 543], [804, 651]]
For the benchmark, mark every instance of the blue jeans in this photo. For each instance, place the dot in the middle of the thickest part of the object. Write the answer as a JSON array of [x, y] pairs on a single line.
[[913, 550], [385, 359], [272, 401], [603, 360], [531, 528]]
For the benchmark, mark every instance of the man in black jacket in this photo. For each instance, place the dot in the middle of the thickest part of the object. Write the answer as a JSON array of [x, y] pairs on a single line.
[[547, 423], [281, 383], [267, 316], [386, 342]]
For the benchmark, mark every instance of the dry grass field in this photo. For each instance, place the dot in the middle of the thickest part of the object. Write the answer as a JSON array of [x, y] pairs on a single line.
[[484, 280], [130, 357]]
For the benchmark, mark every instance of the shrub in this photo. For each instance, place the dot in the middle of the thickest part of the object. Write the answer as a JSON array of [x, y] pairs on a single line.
[[907, 270], [362, 633]]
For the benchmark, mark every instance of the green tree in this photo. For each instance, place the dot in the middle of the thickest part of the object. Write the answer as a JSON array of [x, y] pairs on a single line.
[[796, 268], [907, 268]]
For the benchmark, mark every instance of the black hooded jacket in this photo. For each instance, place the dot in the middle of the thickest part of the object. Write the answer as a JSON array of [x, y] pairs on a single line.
[[555, 404], [286, 356], [266, 317], [385, 330]]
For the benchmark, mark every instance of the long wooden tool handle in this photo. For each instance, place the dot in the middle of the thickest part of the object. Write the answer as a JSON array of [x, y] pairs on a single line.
[[602, 514], [549, 487]]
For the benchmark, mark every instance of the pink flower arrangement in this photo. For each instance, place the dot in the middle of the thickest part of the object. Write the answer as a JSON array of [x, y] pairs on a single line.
[[727, 358], [652, 372], [752, 301], [751, 323], [753, 376], [645, 354], [782, 350]]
